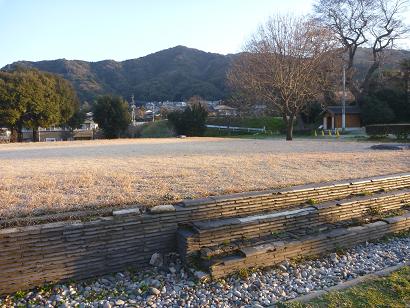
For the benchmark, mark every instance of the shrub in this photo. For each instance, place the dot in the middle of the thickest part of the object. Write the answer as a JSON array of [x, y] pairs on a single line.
[[376, 111], [397, 102], [191, 121], [157, 129], [401, 131], [311, 201]]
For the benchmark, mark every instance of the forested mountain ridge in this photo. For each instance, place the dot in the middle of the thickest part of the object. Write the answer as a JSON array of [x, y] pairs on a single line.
[[173, 74]]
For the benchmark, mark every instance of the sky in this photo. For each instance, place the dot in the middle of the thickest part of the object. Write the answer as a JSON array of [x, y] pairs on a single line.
[[95, 30]]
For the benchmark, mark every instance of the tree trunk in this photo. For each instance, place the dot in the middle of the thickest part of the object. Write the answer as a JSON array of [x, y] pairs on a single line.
[[365, 86], [35, 135], [350, 70], [19, 132], [289, 120], [13, 137]]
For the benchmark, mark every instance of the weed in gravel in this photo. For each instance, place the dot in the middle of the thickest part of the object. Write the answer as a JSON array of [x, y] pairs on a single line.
[[311, 201]]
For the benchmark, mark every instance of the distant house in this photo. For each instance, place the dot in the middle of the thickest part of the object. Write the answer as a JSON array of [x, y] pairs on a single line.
[[5, 135], [89, 124], [332, 117], [259, 109], [54, 133], [225, 111]]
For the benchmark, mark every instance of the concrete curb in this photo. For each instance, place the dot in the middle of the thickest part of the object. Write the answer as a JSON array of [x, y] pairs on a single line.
[[350, 283]]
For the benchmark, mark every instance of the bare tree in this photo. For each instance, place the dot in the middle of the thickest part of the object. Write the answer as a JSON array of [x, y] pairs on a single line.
[[287, 64], [376, 24]]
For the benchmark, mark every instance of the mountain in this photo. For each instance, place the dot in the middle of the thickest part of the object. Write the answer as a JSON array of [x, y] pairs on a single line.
[[391, 60], [173, 74]]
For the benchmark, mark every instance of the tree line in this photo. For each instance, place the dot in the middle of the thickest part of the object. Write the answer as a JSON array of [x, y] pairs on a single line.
[[33, 99]]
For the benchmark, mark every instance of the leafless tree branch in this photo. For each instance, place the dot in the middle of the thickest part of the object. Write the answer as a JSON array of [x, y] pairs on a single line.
[[287, 63], [377, 24]]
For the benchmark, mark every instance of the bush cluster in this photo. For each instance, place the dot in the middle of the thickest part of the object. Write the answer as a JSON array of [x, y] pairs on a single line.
[[191, 121], [385, 106], [401, 131]]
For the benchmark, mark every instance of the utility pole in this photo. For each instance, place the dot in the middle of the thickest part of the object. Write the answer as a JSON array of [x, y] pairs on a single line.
[[153, 112], [344, 100], [133, 110]]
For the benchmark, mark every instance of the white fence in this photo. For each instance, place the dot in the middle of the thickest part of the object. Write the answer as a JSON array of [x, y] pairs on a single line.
[[237, 128]]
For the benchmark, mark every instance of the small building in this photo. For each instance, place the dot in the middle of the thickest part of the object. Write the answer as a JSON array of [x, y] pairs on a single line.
[[226, 111], [89, 124], [332, 117], [5, 134], [259, 110]]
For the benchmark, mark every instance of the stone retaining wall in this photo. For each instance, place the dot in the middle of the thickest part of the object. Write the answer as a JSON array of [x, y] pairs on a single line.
[[215, 232], [50, 252], [276, 252]]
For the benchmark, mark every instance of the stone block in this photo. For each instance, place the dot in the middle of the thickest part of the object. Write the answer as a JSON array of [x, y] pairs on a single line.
[[197, 202], [164, 208], [393, 220], [134, 211]]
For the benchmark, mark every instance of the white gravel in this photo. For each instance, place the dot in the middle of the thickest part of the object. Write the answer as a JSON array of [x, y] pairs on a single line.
[[171, 286]]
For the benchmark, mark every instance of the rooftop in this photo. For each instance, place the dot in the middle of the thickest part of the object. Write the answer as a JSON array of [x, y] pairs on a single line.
[[338, 109]]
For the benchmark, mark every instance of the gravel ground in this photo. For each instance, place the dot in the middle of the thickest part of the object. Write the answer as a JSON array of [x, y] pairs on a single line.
[[172, 286], [63, 176]]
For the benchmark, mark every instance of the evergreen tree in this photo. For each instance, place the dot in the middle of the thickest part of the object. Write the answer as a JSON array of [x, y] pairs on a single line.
[[112, 115], [191, 121], [33, 99]]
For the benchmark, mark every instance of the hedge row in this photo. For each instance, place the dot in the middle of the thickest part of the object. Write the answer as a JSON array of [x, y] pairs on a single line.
[[401, 131]]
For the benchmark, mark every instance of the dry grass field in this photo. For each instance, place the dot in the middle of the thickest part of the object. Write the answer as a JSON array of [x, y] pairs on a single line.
[[55, 177]]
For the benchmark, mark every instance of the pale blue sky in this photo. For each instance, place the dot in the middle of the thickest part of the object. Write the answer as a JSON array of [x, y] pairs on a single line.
[[123, 29], [95, 30]]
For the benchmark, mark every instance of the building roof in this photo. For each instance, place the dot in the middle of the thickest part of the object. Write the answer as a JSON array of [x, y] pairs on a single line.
[[224, 107], [348, 95], [338, 109]]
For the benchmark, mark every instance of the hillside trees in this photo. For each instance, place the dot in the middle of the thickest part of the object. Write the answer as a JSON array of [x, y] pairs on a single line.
[[33, 99], [287, 64], [173, 74], [388, 98], [76, 119], [405, 70], [191, 121], [377, 24], [112, 115]]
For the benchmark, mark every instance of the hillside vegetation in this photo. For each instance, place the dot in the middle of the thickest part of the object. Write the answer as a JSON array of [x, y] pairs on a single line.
[[173, 74]]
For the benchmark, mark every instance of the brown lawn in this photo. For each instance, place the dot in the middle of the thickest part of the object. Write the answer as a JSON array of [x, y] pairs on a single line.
[[57, 177]]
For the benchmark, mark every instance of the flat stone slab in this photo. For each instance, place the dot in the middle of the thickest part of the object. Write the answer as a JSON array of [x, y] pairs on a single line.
[[298, 212], [392, 147], [213, 224], [392, 220], [134, 211], [164, 208], [341, 231]]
